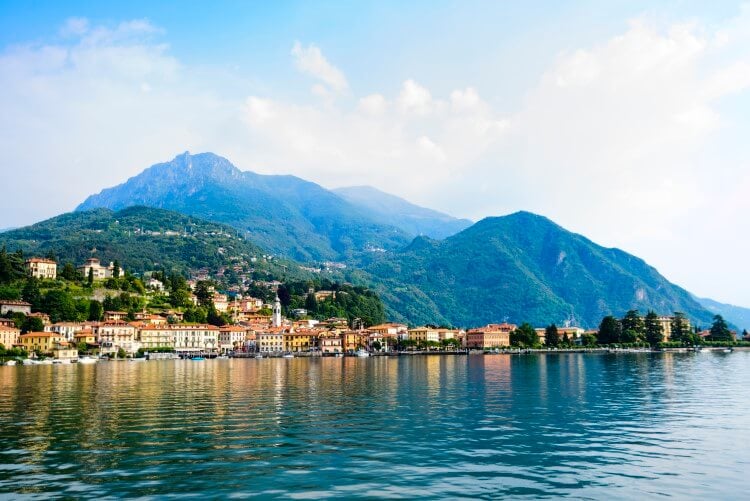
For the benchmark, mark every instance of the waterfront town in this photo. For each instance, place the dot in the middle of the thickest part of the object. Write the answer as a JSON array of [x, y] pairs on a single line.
[[259, 329]]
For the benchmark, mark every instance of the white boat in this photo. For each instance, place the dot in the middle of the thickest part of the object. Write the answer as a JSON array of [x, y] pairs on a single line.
[[10, 362], [338, 355], [28, 361], [259, 356], [287, 355], [46, 361], [728, 350], [362, 353], [136, 360], [87, 360]]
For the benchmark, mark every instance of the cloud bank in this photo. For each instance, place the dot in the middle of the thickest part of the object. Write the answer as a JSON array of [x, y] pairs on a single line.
[[629, 141]]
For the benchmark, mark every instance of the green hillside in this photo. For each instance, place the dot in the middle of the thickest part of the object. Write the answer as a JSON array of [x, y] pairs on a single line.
[[144, 239], [520, 267]]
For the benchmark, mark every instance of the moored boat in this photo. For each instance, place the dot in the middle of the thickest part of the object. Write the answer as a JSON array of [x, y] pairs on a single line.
[[197, 359], [362, 353], [287, 355], [87, 360], [10, 362]]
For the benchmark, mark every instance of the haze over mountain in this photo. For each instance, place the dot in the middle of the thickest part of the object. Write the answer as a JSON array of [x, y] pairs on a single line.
[[284, 214], [522, 267], [736, 315], [413, 219]]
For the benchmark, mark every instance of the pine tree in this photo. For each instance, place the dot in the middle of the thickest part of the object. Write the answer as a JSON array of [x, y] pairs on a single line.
[[633, 321], [720, 331], [654, 331], [551, 336], [680, 328], [610, 330]]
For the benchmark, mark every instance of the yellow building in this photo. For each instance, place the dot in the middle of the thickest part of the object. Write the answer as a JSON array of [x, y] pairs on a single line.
[[301, 340], [424, 334], [42, 341], [354, 340], [9, 336]]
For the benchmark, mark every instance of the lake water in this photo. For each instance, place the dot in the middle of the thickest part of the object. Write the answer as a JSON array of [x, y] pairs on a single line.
[[579, 425]]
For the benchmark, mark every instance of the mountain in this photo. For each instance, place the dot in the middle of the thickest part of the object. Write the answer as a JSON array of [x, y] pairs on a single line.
[[141, 239], [735, 315], [283, 214], [390, 209], [520, 267]]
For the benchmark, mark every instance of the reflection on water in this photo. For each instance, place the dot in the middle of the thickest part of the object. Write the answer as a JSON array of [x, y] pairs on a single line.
[[589, 426]]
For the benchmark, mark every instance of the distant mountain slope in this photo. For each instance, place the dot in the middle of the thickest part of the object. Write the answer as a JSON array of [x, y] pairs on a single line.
[[284, 214], [413, 219], [141, 239], [735, 315], [521, 267]]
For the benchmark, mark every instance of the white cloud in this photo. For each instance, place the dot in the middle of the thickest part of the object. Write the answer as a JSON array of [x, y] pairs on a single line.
[[310, 60], [629, 141], [414, 98]]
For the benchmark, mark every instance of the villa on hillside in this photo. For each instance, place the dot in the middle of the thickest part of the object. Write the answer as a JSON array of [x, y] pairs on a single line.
[[94, 267], [39, 267]]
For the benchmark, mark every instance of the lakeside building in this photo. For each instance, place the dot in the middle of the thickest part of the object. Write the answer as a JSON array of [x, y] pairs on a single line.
[[489, 337], [232, 337], [574, 334], [12, 306], [354, 340], [115, 335], [666, 326], [330, 342], [42, 341], [68, 329], [424, 334], [271, 341], [39, 267], [9, 336], [300, 340], [94, 267]]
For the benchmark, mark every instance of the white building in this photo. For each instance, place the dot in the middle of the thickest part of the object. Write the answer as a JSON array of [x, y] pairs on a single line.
[[94, 266], [38, 267]]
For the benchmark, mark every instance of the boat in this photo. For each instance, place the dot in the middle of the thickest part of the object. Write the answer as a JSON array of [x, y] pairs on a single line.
[[46, 361], [28, 361], [10, 362], [287, 355], [728, 350], [362, 353], [222, 357], [87, 360], [197, 359], [259, 356], [338, 355], [137, 359]]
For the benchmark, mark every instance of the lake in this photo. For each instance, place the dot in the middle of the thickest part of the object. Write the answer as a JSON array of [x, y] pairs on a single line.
[[579, 425]]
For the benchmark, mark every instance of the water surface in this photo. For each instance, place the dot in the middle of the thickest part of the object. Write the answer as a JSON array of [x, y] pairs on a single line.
[[580, 425]]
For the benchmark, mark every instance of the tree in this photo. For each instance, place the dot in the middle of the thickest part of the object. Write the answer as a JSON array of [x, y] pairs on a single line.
[[376, 345], [551, 336], [745, 335], [60, 306], [311, 303], [654, 330], [680, 328], [204, 293], [720, 331], [90, 278], [69, 272], [32, 324], [213, 317], [96, 310], [524, 336], [633, 321], [610, 330], [116, 269], [588, 340], [31, 293], [82, 347]]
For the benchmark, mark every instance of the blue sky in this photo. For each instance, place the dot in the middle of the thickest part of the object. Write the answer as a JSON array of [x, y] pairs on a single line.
[[623, 120]]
